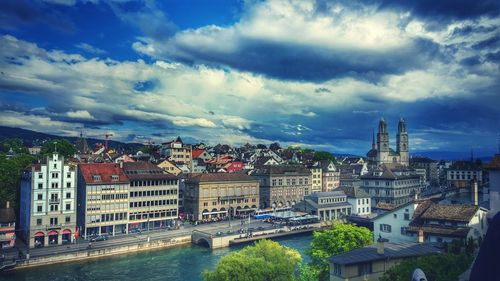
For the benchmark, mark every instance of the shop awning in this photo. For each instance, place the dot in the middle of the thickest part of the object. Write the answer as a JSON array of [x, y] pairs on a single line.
[[66, 231], [38, 234], [53, 233], [211, 213]]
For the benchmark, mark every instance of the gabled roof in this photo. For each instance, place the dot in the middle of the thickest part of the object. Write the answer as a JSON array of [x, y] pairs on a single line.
[[105, 171], [197, 152], [457, 212], [354, 192], [391, 251]]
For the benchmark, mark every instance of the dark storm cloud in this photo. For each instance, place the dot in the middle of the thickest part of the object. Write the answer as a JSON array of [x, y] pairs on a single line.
[[15, 14], [312, 63], [446, 9]]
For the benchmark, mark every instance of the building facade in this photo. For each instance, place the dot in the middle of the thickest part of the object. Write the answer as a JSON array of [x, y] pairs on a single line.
[[462, 173], [153, 196], [283, 185], [214, 196], [359, 200], [391, 184], [177, 151], [316, 179], [48, 203], [103, 199], [327, 206], [330, 176], [382, 153]]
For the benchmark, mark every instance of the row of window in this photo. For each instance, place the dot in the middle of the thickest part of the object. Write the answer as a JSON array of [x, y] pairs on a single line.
[[53, 221], [107, 217], [157, 214], [153, 203], [332, 200], [153, 182], [53, 208], [53, 196], [153, 193], [54, 185], [279, 182], [54, 175], [106, 207]]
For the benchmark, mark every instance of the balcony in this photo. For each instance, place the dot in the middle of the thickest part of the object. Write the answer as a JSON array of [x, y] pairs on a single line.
[[54, 200], [53, 227]]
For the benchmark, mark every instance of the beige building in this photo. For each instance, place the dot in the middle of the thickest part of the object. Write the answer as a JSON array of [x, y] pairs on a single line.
[[317, 179], [283, 185], [215, 195], [170, 167], [103, 199], [153, 197], [177, 151], [371, 262], [330, 175], [47, 201]]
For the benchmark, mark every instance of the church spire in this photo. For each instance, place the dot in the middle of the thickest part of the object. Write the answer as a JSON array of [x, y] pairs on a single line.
[[373, 139]]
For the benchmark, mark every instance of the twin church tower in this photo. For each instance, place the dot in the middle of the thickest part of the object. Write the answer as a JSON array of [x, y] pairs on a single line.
[[381, 153]]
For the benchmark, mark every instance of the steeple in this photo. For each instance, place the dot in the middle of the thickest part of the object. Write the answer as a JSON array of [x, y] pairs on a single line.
[[373, 140], [402, 125]]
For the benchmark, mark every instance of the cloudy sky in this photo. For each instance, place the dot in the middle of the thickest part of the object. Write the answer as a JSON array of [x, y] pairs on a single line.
[[320, 74]]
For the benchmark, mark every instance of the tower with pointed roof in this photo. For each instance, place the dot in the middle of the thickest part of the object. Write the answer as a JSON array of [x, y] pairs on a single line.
[[382, 142], [402, 143]]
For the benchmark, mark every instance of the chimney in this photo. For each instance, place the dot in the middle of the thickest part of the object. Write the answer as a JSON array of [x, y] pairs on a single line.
[[7, 205], [474, 193], [415, 196], [420, 236], [381, 245]]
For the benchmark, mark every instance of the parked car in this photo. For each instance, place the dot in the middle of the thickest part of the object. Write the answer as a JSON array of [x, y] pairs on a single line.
[[99, 238]]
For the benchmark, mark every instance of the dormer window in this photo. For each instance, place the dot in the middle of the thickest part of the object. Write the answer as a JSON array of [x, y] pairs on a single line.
[[97, 178], [114, 177]]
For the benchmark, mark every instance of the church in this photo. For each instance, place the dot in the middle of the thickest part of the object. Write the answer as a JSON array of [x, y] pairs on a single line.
[[381, 153]]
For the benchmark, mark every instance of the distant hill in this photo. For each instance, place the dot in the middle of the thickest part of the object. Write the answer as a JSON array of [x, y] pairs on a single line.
[[31, 138]]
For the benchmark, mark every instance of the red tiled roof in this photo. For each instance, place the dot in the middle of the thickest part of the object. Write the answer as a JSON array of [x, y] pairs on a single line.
[[197, 152], [105, 170]]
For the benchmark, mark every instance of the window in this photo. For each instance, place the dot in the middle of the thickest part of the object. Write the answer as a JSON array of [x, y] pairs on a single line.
[[40, 175], [68, 184], [55, 185], [39, 208], [53, 221], [337, 269], [55, 175], [97, 178], [68, 219], [40, 185], [38, 221], [68, 195], [68, 175], [364, 268], [114, 177], [395, 216], [385, 228], [54, 208], [68, 207], [407, 217], [40, 196]]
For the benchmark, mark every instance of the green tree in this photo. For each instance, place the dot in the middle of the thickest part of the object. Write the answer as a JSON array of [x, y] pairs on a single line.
[[323, 155], [64, 148], [16, 145], [10, 175], [443, 267], [339, 239], [265, 260], [308, 273]]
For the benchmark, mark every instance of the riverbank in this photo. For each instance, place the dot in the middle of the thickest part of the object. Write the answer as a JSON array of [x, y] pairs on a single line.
[[79, 255]]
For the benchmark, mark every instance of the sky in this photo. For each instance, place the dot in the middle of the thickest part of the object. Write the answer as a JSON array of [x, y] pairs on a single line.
[[319, 74]]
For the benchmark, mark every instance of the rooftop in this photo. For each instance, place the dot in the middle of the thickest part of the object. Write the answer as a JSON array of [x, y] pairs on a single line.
[[104, 173], [219, 177], [144, 170], [391, 251]]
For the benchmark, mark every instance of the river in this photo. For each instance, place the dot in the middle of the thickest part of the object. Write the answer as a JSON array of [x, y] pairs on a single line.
[[175, 264]]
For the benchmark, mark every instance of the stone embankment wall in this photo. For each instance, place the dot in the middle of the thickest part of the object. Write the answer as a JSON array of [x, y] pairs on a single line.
[[97, 253]]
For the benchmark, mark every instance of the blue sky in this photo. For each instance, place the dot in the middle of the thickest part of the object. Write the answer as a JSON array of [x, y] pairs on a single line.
[[315, 73]]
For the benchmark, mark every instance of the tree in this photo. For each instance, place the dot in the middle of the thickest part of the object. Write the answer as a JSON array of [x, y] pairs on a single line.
[[339, 239], [275, 146], [265, 260], [64, 148], [10, 175], [323, 155], [444, 267], [15, 144], [308, 273]]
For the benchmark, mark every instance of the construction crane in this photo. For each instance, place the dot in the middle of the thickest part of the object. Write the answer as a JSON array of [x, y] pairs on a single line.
[[106, 137]]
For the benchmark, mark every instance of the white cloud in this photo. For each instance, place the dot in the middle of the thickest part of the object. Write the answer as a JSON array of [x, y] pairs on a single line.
[[80, 114], [90, 49]]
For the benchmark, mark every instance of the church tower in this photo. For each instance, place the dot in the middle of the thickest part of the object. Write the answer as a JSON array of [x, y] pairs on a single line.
[[382, 142], [402, 143]]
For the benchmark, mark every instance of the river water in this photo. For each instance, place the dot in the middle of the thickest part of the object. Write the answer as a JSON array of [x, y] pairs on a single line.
[[175, 264]]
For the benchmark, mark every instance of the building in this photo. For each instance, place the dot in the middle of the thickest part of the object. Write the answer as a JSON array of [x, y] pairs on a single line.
[[214, 196], [391, 184], [430, 166], [445, 222], [371, 262], [7, 227], [381, 153], [393, 223], [330, 175], [103, 199], [177, 151], [198, 166], [282, 185], [494, 189], [461, 173], [317, 176], [48, 203], [170, 167], [201, 154], [359, 200], [153, 196], [326, 205], [35, 150]]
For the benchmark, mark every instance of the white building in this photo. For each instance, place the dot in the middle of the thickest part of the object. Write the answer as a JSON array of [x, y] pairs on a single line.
[[391, 224], [359, 199], [48, 203]]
